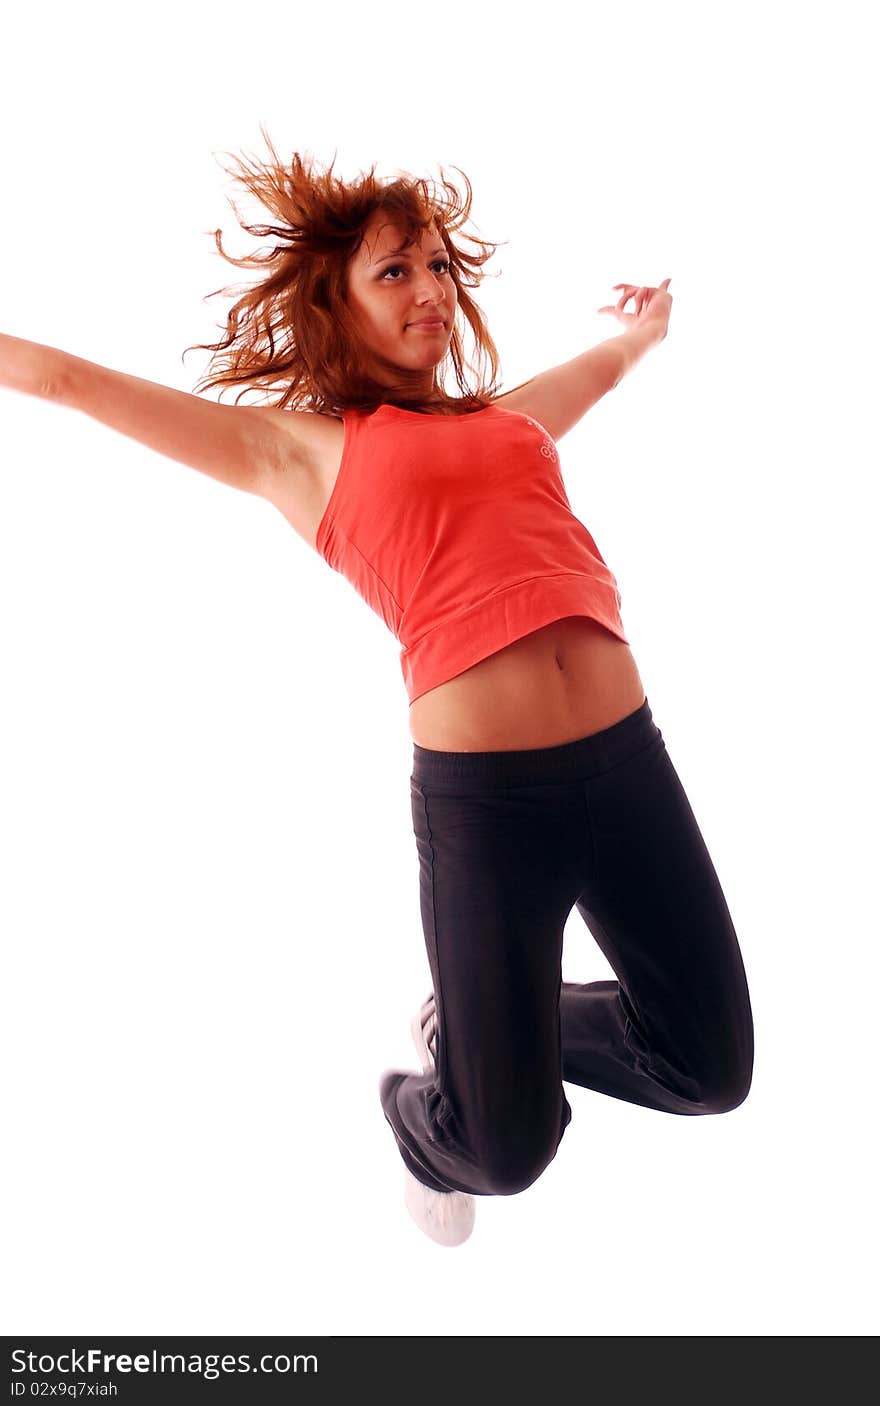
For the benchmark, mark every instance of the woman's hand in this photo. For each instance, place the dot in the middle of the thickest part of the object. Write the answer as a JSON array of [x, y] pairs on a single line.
[[653, 306]]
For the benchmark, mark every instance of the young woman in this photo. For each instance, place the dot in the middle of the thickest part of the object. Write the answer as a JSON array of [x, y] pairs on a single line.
[[540, 781]]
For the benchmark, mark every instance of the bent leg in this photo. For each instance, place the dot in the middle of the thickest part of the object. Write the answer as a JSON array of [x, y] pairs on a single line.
[[674, 1032], [495, 892]]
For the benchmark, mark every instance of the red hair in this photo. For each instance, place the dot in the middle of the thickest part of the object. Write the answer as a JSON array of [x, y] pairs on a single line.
[[293, 330]]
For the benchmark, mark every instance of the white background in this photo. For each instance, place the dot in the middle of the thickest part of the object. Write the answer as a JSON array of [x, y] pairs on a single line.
[[211, 938]]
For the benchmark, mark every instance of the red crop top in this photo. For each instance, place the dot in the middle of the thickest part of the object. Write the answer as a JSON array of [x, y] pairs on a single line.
[[458, 532]]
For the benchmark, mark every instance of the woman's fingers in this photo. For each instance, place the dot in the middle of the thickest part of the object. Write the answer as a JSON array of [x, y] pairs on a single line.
[[641, 296]]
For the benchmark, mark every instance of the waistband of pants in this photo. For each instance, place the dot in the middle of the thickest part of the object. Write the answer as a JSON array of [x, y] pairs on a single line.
[[571, 761]]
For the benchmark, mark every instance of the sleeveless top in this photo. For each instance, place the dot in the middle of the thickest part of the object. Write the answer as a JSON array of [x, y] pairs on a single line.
[[458, 532]]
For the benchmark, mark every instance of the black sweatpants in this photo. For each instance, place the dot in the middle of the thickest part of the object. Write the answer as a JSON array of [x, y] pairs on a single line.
[[508, 843]]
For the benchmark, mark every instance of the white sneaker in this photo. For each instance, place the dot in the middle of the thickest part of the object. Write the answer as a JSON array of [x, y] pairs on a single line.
[[447, 1217], [423, 1027]]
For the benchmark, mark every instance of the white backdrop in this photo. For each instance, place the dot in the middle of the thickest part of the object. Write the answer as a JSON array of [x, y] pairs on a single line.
[[211, 940]]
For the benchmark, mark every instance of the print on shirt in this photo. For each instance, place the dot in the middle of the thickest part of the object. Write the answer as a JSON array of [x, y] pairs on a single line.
[[548, 448]]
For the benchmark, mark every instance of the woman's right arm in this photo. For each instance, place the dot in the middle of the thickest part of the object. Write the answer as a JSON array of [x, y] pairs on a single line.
[[247, 447], [29, 366]]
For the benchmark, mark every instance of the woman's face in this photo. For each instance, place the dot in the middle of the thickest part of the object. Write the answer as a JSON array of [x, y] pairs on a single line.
[[390, 292]]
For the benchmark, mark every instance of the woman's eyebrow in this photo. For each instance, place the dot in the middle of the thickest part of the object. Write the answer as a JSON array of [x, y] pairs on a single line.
[[399, 254]]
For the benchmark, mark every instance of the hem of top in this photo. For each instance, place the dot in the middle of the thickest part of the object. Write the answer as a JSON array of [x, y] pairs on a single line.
[[596, 599]]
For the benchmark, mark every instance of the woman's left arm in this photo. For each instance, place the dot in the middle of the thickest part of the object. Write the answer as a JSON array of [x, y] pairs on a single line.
[[557, 398], [634, 343]]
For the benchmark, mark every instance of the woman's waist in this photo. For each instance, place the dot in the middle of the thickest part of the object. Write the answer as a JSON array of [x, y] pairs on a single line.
[[560, 682]]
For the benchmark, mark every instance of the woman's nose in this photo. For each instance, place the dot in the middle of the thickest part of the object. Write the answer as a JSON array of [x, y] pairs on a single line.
[[430, 297], [430, 284]]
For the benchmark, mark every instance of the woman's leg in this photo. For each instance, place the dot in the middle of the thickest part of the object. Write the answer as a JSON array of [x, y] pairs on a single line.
[[500, 869], [674, 1031]]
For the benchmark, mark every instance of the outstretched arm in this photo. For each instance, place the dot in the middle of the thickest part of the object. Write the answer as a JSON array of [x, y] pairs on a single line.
[[634, 343], [559, 397], [239, 445], [30, 366]]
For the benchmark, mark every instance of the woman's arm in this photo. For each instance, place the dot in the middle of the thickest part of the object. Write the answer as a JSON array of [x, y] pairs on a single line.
[[29, 366], [635, 342], [241, 446], [560, 396]]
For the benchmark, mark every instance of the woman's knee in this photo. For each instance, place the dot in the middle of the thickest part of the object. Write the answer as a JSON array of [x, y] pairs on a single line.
[[726, 1089], [506, 1174]]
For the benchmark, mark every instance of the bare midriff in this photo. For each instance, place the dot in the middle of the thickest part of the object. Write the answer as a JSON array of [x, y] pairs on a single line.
[[559, 683]]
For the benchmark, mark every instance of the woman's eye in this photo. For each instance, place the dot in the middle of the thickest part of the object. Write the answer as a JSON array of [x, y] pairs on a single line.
[[396, 268]]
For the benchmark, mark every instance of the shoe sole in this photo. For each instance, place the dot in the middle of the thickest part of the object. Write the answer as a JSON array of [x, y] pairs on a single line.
[[427, 1059]]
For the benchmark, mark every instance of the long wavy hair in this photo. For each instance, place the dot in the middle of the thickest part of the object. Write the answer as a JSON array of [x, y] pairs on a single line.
[[292, 335]]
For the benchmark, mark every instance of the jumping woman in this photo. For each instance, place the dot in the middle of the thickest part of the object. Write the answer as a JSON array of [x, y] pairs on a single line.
[[540, 781]]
